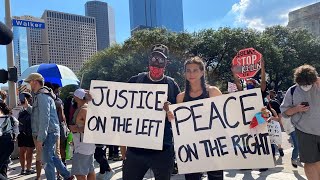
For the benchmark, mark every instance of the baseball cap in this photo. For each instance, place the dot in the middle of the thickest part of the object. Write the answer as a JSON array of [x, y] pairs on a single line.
[[80, 93], [161, 49], [34, 76]]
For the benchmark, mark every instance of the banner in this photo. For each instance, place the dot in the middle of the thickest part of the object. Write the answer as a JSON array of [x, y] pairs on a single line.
[[274, 129], [127, 114], [214, 134]]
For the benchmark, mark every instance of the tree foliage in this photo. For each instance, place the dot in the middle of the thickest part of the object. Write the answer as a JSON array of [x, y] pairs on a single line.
[[282, 49]]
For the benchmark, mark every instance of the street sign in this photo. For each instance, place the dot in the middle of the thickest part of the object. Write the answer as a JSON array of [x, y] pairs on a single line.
[[28, 21], [247, 63]]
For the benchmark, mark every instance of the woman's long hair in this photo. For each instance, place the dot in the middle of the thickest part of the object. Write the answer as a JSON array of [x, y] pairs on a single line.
[[4, 108], [194, 60]]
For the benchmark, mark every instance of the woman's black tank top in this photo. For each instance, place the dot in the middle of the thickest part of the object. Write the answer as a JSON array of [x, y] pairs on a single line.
[[205, 94]]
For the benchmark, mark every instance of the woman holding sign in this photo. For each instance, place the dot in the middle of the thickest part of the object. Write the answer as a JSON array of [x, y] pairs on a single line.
[[195, 89]]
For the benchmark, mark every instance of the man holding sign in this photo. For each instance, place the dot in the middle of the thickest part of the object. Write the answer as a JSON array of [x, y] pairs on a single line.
[[139, 160]]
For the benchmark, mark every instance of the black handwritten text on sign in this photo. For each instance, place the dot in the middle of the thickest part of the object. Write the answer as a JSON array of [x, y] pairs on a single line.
[[127, 114], [213, 134]]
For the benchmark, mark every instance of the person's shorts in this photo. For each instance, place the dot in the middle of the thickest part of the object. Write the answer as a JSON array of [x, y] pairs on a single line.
[[82, 164], [309, 147], [25, 140]]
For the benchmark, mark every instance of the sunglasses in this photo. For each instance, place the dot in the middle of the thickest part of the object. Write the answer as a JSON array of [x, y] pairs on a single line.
[[159, 59]]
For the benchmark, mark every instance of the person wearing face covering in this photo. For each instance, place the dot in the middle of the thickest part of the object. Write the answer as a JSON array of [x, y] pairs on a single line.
[[252, 83], [139, 160], [302, 105]]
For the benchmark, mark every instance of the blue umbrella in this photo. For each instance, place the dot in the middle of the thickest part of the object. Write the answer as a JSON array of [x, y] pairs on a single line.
[[52, 73]]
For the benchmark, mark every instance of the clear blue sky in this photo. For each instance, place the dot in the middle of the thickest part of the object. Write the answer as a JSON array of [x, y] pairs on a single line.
[[198, 14]]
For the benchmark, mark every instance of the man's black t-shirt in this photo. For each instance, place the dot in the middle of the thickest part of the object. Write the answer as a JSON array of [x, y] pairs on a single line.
[[167, 138]]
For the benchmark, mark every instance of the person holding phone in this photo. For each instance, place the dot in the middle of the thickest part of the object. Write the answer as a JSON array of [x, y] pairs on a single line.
[[302, 105]]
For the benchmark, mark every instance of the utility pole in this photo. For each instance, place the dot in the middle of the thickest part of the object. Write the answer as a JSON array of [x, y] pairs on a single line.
[[10, 63]]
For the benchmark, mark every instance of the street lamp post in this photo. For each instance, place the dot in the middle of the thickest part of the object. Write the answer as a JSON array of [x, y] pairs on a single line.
[[10, 62]]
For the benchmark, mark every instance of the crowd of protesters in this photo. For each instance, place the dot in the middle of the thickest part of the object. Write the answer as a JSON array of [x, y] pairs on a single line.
[[45, 121]]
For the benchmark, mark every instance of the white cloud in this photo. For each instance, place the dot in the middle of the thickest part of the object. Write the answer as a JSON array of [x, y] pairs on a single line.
[[259, 14]]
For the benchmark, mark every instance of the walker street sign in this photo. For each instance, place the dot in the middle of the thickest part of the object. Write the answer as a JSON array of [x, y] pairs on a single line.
[[28, 21]]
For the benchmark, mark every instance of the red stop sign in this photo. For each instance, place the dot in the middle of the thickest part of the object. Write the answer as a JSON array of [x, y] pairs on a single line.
[[247, 63]]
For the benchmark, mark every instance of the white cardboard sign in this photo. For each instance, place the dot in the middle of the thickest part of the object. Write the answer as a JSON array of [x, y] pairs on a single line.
[[127, 114], [214, 134]]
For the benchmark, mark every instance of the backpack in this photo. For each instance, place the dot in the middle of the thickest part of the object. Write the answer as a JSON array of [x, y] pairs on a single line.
[[7, 126], [292, 91], [169, 80], [25, 122]]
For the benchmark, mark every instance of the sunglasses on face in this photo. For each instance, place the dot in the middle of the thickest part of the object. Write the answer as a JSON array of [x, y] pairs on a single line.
[[159, 59]]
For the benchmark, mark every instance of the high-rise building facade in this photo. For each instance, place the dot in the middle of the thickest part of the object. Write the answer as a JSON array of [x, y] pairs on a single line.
[[105, 23], [20, 49], [307, 18], [35, 46], [156, 13], [71, 39], [26, 42]]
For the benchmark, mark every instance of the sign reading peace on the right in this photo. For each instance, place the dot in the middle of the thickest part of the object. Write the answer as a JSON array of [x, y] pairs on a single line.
[[247, 63]]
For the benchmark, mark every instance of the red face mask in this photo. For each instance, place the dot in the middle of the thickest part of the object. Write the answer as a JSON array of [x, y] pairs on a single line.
[[156, 72]]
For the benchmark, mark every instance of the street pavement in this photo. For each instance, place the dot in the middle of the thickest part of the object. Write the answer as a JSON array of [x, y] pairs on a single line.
[[282, 171]]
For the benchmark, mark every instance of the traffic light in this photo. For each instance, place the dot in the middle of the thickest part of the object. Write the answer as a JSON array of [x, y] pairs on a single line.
[[10, 75], [3, 76]]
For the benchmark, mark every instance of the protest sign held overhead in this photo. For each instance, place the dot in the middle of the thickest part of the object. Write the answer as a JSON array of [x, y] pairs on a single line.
[[214, 134], [128, 114], [247, 63]]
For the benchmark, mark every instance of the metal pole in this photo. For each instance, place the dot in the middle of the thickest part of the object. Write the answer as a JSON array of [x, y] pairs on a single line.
[[10, 62]]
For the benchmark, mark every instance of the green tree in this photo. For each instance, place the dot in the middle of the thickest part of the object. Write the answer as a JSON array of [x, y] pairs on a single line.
[[282, 49]]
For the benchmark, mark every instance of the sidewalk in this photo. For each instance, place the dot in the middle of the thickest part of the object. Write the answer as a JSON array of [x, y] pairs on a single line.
[[282, 171]]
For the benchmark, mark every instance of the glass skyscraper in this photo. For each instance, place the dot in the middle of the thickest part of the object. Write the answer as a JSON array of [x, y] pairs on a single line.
[[20, 43], [156, 13], [105, 25]]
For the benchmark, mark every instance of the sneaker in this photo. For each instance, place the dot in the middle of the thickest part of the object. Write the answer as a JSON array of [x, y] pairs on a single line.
[[281, 152], [294, 163], [23, 172], [31, 171], [106, 176]]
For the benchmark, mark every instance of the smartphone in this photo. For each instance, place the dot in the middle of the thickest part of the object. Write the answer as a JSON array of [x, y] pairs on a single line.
[[305, 103]]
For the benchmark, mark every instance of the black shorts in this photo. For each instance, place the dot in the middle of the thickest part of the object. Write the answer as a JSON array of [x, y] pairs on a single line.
[[25, 140], [309, 147]]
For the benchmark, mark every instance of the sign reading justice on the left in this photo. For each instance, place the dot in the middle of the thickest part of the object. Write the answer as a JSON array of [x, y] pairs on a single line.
[[127, 114]]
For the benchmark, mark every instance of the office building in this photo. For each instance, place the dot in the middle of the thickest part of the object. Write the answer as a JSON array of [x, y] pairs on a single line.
[[71, 39], [156, 13], [26, 45], [105, 22], [307, 18]]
